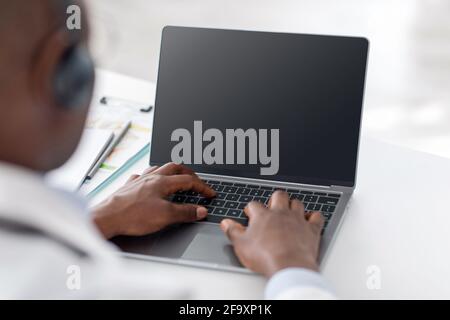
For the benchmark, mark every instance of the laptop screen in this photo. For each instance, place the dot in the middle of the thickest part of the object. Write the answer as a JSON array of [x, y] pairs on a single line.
[[274, 106]]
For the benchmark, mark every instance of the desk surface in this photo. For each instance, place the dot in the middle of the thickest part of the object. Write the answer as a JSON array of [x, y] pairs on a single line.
[[396, 229]]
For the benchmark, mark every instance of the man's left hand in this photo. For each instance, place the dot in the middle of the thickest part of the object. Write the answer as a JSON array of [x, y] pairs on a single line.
[[141, 207]]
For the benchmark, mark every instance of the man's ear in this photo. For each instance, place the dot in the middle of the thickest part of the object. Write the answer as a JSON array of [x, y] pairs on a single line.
[[43, 69]]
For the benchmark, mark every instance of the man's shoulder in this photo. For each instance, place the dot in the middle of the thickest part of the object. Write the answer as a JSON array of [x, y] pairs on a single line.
[[37, 265]]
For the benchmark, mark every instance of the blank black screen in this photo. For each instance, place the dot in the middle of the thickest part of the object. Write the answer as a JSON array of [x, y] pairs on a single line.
[[310, 87]]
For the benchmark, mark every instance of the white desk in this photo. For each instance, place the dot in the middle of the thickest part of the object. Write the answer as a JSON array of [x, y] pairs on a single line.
[[398, 220]]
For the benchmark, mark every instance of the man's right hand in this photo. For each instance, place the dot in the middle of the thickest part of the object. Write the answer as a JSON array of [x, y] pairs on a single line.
[[278, 236]]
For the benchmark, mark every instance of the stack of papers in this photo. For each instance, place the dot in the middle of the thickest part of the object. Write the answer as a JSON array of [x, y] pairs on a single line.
[[131, 148]]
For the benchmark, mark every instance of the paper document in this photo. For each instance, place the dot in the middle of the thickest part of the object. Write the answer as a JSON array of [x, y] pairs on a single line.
[[135, 140]]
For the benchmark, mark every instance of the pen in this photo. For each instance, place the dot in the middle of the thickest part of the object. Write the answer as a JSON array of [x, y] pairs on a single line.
[[108, 151], [118, 102]]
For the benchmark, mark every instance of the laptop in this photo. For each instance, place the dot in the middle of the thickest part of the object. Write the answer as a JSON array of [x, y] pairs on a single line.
[[253, 112]]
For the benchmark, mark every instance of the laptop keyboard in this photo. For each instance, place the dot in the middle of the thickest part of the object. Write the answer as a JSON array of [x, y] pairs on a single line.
[[232, 198]]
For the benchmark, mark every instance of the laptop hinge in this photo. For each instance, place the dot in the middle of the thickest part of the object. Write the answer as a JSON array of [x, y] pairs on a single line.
[[342, 189], [268, 182]]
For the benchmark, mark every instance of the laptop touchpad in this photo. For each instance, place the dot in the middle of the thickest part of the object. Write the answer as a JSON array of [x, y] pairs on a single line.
[[210, 247], [194, 242]]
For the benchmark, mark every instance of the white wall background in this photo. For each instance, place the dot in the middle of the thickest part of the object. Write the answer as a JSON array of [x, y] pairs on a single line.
[[408, 88]]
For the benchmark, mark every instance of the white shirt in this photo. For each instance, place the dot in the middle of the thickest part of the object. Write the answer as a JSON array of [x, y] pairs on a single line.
[[51, 250]]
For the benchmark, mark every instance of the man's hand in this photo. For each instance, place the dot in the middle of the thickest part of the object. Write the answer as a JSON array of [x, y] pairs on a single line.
[[140, 207], [278, 236]]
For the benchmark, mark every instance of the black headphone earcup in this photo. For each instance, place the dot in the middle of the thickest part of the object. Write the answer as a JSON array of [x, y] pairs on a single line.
[[74, 78]]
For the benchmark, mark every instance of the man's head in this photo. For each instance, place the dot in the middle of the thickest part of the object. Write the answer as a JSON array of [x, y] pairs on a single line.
[[45, 83]]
